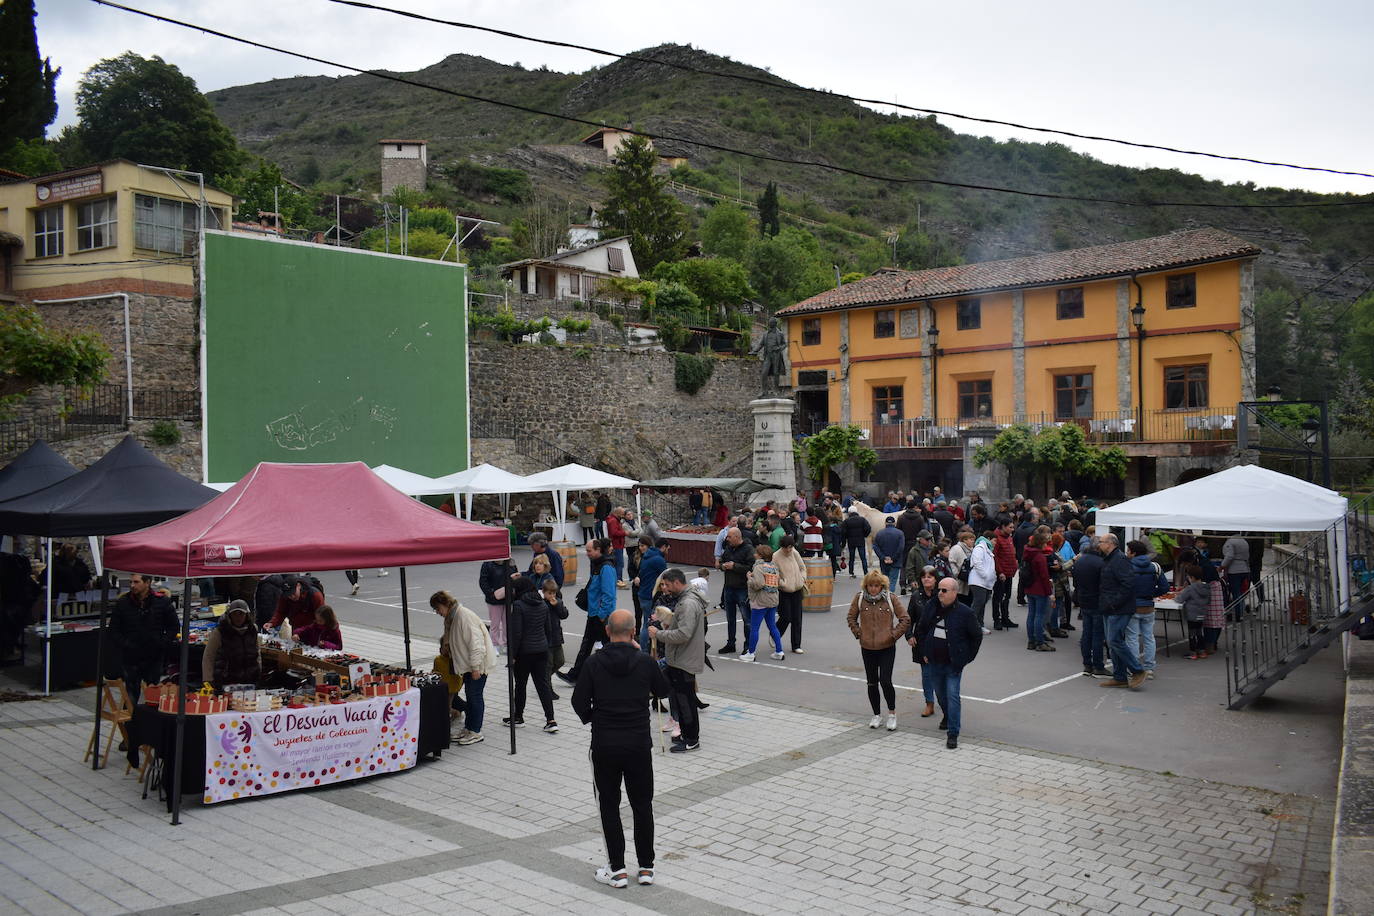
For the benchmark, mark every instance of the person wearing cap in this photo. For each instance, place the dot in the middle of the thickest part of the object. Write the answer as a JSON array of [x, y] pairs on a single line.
[[650, 527], [856, 531], [298, 602], [918, 557], [231, 651]]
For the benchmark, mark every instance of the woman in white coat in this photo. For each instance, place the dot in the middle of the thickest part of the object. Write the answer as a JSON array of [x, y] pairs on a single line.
[[468, 647]]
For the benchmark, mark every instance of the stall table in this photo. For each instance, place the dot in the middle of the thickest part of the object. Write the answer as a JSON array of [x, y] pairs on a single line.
[[692, 548]]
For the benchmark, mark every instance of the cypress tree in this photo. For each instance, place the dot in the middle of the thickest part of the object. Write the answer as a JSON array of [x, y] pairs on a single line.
[[768, 211], [28, 83]]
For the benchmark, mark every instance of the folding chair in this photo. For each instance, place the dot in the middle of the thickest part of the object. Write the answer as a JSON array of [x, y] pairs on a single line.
[[114, 708]]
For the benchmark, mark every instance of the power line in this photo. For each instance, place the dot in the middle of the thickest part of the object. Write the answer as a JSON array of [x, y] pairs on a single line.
[[513, 106], [780, 84]]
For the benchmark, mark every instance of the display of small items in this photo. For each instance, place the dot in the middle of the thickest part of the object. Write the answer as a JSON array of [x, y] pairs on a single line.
[[248, 698], [383, 685], [202, 703]]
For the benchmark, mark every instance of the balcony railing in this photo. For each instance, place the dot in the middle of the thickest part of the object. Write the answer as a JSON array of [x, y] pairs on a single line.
[[1103, 427]]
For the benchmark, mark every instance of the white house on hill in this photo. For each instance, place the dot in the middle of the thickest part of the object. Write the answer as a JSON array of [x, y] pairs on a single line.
[[575, 273]]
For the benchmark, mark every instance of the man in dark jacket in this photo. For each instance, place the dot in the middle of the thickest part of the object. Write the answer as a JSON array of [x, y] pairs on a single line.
[[947, 522], [145, 623], [1116, 601], [612, 694], [736, 559], [265, 597], [948, 636], [531, 632], [910, 524], [887, 544], [856, 531], [1087, 581]]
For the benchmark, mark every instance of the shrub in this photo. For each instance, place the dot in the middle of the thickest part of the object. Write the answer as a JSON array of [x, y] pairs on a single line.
[[673, 334], [691, 372], [164, 433]]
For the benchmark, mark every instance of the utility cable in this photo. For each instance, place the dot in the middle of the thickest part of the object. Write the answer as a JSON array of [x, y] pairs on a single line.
[[513, 106], [782, 84]]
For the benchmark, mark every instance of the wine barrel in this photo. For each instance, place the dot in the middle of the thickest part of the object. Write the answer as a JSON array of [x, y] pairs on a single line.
[[568, 551], [820, 585]]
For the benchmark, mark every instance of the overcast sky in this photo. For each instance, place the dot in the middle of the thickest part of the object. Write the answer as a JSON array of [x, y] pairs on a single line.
[[1266, 79]]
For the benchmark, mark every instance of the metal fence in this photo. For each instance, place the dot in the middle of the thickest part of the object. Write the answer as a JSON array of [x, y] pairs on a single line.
[[1102, 427], [1299, 607], [544, 454], [95, 411]]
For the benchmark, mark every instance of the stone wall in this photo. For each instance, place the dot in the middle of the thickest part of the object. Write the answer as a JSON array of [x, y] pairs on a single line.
[[184, 456], [163, 331]]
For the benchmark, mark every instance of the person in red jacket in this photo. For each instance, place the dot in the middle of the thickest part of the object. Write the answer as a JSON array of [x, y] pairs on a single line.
[[1004, 558], [615, 530], [1039, 587], [298, 603]]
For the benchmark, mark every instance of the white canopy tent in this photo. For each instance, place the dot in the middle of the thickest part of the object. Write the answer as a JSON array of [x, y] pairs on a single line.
[[485, 479], [569, 479], [410, 483], [1244, 498]]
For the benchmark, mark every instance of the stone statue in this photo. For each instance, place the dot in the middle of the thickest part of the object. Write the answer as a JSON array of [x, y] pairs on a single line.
[[771, 350]]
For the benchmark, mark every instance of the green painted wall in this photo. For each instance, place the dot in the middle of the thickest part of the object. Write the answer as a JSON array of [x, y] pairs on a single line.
[[316, 354]]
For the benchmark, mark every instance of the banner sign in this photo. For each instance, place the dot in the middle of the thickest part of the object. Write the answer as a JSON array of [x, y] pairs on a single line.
[[261, 753]]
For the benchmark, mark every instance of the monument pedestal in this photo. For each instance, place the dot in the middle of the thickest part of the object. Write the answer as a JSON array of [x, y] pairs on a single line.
[[990, 481], [774, 461]]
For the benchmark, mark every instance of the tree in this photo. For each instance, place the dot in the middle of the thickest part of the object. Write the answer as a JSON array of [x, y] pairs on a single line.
[[33, 355], [718, 282], [788, 267], [542, 229], [28, 83], [639, 205], [147, 110], [679, 301], [726, 232], [264, 190], [768, 211], [1053, 450], [833, 446]]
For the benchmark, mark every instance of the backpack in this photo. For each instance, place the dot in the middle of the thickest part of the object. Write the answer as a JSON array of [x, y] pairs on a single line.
[[1161, 583], [966, 568], [316, 584]]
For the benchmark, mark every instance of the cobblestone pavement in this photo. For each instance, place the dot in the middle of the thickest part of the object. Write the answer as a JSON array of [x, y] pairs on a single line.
[[782, 810]]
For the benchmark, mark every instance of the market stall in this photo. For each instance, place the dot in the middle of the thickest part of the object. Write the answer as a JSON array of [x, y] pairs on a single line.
[[485, 479], [288, 517], [695, 545]]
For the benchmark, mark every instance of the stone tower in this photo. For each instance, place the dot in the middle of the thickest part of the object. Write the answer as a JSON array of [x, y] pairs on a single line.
[[403, 164]]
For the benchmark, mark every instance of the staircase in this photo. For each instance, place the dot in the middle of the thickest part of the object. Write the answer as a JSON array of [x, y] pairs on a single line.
[[1300, 607]]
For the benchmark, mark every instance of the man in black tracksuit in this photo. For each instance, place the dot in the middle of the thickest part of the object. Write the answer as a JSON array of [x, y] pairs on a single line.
[[612, 693]]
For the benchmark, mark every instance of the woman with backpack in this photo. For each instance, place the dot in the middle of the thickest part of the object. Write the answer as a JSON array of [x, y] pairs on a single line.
[[877, 619]]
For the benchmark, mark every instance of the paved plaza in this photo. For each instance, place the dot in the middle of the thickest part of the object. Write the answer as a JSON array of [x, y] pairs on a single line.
[[1054, 802]]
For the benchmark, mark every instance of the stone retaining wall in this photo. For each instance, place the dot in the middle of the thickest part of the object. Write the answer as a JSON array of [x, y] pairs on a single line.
[[1352, 846]]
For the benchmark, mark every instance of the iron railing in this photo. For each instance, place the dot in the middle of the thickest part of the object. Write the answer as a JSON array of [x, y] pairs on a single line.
[[97, 410], [541, 452], [1299, 607], [1103, 427]]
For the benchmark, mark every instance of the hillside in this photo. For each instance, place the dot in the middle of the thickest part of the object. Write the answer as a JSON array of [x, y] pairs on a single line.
[[325, 130]]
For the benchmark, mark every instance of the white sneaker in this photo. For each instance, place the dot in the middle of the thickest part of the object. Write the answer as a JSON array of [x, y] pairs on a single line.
[[1150, 674], [986, 631], [875, 721], [382, 572], [746, 656], [471, 738], [355, 590], [799, 651], [604, 875], [778, 656], [892, 721], [646, 876]]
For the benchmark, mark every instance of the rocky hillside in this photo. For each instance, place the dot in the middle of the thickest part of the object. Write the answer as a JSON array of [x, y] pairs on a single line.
[[325, 130]]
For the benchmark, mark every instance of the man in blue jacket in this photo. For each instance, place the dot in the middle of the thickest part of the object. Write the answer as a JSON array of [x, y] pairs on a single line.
[[600, 603], [888, 544], [1116, 600], [948, 637], [652, 563]]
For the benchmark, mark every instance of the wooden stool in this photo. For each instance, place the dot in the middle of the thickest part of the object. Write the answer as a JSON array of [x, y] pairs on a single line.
[[115, 709]]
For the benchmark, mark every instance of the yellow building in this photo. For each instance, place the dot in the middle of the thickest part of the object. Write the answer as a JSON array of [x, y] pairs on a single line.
[[110, 248], [1147, 344]]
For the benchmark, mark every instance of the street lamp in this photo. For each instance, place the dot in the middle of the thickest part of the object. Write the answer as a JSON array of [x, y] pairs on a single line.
[[933, 335], [1310, 430], [1273, 393]]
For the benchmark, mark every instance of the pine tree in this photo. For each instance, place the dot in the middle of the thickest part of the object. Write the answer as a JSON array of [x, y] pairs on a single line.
[[639, 205], [768, 210], [28, 99]]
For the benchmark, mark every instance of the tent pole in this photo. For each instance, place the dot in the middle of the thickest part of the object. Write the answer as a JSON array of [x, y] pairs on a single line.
[[405, 615], [510, 668], [180, 757], [100, 665], [47, 643]]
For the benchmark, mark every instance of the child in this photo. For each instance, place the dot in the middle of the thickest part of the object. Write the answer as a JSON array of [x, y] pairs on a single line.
[[700, 582], [324, 632], [763, 603], [558, 612], [1194, 600]]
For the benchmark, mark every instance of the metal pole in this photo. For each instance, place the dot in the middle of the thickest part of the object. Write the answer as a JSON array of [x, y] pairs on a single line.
[[510, 667], [47, 643], [100, 667], [180, 745], [1140, 383], [405, 614], [1326, 445]]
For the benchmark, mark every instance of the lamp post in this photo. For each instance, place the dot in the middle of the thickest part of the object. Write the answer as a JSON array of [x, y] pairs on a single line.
[[933, 335], [1310, 431], [1273, 393], [1138, 319]]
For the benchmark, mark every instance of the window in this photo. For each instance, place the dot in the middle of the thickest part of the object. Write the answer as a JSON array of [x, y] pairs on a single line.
[[164, 225], [95, 224], [1073, 396], [969, 314], [884, 323], [574, 284], [1185, 387], [1070, 303], [615, 259], [47, 232], [975, 399], [887, 404], [811, 332], [1182, 293]]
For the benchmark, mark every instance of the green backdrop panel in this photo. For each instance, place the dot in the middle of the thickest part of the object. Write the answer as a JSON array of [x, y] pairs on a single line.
[[317, 354]]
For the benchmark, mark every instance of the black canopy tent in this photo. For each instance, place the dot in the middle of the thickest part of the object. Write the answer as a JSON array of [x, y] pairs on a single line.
[[37, 467], [128, 489]]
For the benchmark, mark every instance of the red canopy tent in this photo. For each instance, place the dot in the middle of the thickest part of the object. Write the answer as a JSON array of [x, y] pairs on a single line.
[[293, 517]]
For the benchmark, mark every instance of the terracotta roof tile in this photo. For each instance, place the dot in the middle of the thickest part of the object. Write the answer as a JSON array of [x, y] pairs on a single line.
[[1165, 252]]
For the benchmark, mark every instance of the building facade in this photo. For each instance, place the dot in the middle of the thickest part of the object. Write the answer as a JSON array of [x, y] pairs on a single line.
[[405, 163], [575, 273], [1146, 344]]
